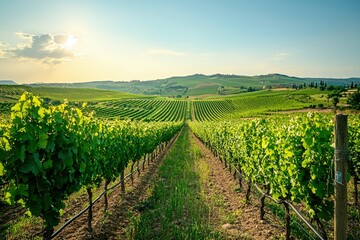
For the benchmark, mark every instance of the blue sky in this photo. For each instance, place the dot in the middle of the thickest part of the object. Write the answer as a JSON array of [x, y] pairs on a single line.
[[70, 41]]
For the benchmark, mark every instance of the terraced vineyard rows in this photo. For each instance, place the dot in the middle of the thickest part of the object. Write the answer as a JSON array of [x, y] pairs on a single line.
[[5, 106], [209, 110], [253, 104], [107, 104], [257, 104], [141, 109], [13, 89], [9, 94]]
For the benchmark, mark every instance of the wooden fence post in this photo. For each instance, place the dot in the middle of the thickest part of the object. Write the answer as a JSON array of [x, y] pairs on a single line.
[[340, 218]]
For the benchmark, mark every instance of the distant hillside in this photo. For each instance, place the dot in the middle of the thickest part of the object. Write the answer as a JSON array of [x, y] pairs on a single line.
[[7, 82], [337, 81], [199, 84]]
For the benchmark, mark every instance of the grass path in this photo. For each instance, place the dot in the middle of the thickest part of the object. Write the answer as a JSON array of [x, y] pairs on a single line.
[[176, 206]]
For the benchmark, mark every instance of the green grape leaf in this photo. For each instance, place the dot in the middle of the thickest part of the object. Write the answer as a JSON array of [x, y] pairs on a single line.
[[41, 112], [60, 181], [48, 164], [16, 107], [47, 201], [22, 189], [35, 207], [42, 141], [28, 166], [38, 166], [22, 153], [276, 195], [82, 167], [1, 169], [288, 153]]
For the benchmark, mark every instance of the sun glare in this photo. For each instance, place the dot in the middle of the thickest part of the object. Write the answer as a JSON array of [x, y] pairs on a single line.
[[70, 42]]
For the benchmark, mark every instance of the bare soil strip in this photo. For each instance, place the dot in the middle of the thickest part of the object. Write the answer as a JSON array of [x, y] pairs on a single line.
[[243, 221]]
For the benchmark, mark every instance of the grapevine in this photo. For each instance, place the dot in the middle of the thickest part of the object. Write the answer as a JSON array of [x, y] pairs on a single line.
[[53, 151], [292, 160]]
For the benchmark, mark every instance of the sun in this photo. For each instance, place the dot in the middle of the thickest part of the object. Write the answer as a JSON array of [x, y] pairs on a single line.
[[70, 42]]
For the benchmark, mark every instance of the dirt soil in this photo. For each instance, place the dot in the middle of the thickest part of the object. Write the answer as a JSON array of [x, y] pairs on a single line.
[[324, 110], [9, 214], [305, 110], [247, 224]]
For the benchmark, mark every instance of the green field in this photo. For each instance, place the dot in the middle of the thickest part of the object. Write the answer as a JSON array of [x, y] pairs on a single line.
[[258, 103], [209, 110], [199, 84], [141, 109], [120, 105], [9, 94], [212, 117], [82, 95]]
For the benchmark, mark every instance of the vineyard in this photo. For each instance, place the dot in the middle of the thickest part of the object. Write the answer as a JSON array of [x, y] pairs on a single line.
[[61, 150], [9, 94], [12, 90], [5, 106], [209, 110], [254, 104], [103, 104], [52, 151], [290, 161], [117, 105], [142, 109], [179, 120]]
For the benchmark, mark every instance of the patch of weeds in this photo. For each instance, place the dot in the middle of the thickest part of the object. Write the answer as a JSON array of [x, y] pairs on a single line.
[[144, 205], [130, 229], [231, 218], [25, 228], [106, 215], [217, 200], [243, 201], [238, 190]]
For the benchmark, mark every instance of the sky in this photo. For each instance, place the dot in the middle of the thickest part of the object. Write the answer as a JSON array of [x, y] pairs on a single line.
[[120, 40]]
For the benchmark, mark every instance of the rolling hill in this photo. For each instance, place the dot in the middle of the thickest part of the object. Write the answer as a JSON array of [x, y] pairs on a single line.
[[7, 82], [199, 84]]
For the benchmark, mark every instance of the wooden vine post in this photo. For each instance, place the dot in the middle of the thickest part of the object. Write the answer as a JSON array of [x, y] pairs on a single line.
[[340, 218], [122, 180], [90, 215]]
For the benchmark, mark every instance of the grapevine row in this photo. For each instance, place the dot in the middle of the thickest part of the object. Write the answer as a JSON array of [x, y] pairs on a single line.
[[209, 110], [10, 90], [292, 161], [53, 151], [140, 109]]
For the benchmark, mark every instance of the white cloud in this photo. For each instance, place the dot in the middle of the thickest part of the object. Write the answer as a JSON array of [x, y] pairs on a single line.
[[3, 46], [45, 48], [164, 52], [280, 56]]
